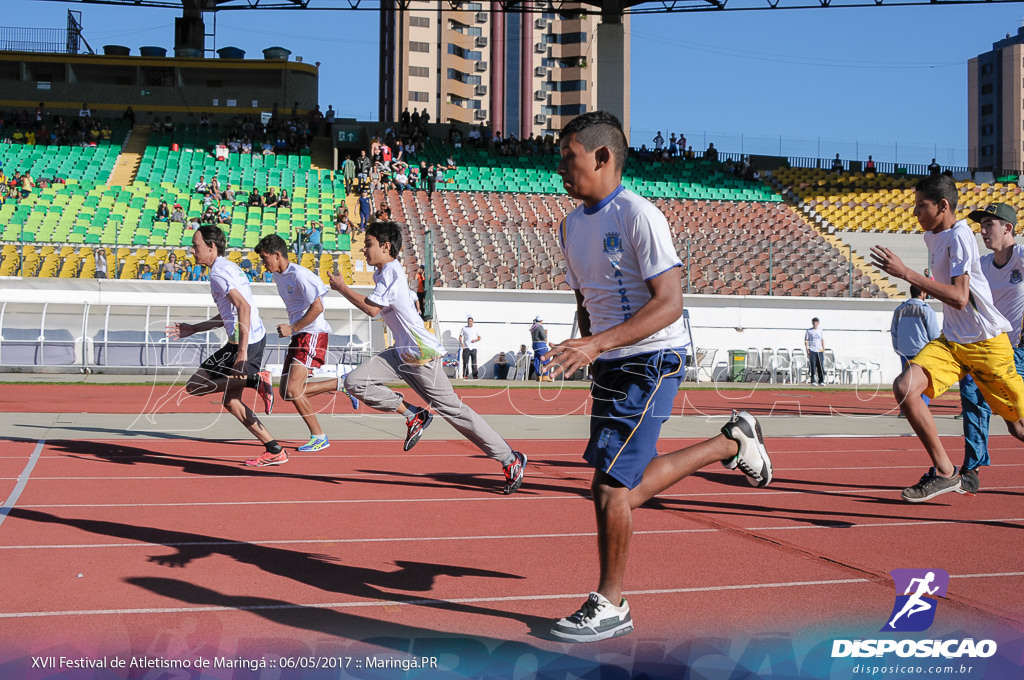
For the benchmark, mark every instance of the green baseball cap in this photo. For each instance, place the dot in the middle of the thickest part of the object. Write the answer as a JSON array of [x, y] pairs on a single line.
[[1001, 211]]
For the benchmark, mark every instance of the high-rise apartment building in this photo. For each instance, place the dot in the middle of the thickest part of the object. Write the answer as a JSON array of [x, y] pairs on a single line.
[[521, 73], [995, 106]]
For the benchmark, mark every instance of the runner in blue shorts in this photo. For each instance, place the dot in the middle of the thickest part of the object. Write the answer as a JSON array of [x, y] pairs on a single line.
[[622, 264]]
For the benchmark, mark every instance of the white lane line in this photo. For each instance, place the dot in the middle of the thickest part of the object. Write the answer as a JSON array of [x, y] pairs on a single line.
[[495, 498], [22, 481], [465, 600], [495, 537]]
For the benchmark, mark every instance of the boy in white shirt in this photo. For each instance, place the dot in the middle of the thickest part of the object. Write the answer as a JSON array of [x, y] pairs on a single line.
[[973, 339], [237, 365], [622, 264], [415, 358], [302, 292], [469, 336]]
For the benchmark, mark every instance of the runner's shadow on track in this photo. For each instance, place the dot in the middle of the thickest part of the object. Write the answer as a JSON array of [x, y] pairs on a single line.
[[467, 482], [122, 432], [121, 454], [479, 655], [316, 570]]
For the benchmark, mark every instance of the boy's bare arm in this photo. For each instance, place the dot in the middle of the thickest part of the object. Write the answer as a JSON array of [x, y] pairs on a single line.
[[956, 294]]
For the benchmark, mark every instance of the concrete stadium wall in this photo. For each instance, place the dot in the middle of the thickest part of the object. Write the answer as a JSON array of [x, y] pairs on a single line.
[[856, 329]]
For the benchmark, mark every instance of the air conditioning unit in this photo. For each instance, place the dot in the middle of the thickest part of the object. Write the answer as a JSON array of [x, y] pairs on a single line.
[[540, 119], [540, 95], [540, 71], [480, 114], [480, 90], [481, 17], [481, 66], [541, 22], [540, 48], [481, 41]]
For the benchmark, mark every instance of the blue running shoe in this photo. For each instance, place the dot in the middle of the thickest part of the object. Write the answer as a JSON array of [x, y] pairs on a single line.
[[315, 444]]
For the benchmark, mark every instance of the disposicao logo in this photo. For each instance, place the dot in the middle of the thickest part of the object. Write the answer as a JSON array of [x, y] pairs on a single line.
[[917, 591], [914, 609]]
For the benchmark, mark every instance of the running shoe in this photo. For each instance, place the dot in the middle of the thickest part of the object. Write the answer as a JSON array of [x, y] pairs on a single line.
[[514, 472], [597, 619], [268, 458], [416, 425], [315, 444], [752, 458], [265, 389], [931, 485], [969, 481]]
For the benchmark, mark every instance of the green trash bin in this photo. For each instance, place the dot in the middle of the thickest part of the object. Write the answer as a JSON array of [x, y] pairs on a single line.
[[737, 364]]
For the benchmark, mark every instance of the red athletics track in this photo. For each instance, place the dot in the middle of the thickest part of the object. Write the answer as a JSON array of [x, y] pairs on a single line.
[[172, 549], [757, 399]]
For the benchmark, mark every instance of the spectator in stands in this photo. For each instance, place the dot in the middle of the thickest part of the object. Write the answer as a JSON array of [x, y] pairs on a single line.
[[145, 273], [432, 175], [178, 215], [329, 116], [270, 199], [101, 263], [348, 173], [204, 120], [255, 199], [363, 166], [521, 357], [156, 127], [26, 184], [711, 153], [934, 168], [246, 145], [168, 125], [837, 164], [315, 237], [284, 201], [659, 141], [171, 269], [129, 115], [469, 336], [105, 132], [869, 166], [299, 240], [414, 177], [84, 112], [501, 366], [163, 213], [210, 215], [228, 194], [201, 186], [224, 215], [365, 210], [401, 179], [689, 154], [375, 177], [214, 189]]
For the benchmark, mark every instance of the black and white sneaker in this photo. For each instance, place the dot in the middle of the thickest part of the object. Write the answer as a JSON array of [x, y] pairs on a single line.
[[416, 425], [752, 458], [932, 484], [597, 619]]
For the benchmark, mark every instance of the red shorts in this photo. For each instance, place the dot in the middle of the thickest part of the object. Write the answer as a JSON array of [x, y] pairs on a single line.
[[309, 349]]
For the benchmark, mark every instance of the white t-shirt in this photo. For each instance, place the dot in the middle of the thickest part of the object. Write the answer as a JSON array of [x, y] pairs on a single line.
[[398, 307], [468, 335], [226, 276], [1007, 284], [299, 287], [954, 252], [815, 339], [611, 251]]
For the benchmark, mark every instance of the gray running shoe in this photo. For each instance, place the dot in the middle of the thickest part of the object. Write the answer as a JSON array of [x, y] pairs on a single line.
[[930, 486], [752, 458], [597, 619], [969, 482]]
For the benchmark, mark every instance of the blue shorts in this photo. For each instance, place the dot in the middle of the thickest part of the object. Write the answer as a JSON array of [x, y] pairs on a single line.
[[632, 398]]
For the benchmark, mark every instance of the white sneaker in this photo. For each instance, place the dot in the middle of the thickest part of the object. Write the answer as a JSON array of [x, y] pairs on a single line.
[[597, 619], [752, 458]]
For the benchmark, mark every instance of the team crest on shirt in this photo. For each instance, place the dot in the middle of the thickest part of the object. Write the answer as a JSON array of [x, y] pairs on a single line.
[[290, 289], [613, 243], [1015, 276]]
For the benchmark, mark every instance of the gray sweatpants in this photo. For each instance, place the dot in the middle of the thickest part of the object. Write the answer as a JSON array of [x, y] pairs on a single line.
[[366, 384]]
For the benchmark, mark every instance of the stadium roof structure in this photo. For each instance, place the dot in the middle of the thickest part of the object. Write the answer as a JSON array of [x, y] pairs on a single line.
[[610, 9]]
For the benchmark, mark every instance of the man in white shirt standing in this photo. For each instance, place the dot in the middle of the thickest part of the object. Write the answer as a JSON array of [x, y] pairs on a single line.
[[302, 292], [814, 343], [237, 365], [469, 336]]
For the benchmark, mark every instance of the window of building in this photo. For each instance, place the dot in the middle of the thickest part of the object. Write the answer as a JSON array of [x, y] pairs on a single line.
[[465, 103], [421, 22], [987, 130], [987, 150], [459, 76], [472, 55], [986, 69], [549, 62], [419, 96], [570, 86], [986, 110], [419, 71], [987, 88], [415, 46]]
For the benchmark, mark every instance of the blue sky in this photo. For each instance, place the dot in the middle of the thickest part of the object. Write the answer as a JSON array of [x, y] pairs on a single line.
[[889, 81]]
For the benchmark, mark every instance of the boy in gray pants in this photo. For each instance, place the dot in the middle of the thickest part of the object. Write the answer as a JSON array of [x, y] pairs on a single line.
[[415, 358]]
